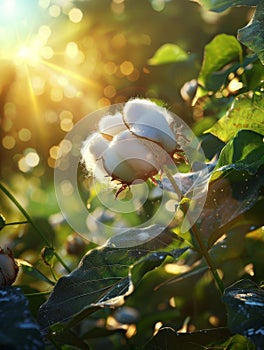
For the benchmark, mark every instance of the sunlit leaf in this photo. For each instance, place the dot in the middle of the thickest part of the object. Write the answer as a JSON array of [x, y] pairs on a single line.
[[245, 305], [252, 34], [246, 113], [222, 50], [18, 329], [105, 276], [244, 152], [168, 53]]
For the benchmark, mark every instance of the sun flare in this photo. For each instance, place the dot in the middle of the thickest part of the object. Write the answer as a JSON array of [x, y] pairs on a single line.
[[47, 60]]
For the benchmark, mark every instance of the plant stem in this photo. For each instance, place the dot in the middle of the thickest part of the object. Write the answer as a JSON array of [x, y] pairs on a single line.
[[31, 221], [16, 223], [194, 230], [37, 293]]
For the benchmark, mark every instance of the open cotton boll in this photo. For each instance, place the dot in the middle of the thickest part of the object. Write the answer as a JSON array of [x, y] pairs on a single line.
[[112, 125], [92, 152], [94, 146], [147, 120], [129, 158]]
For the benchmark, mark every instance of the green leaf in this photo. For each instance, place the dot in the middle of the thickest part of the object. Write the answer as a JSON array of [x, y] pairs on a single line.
[[105, 276], [219, 338], [246, 113], [222, 50], [228, 198], [221, 5], [244, 152], [245, 305], [252, 34], [18, 329], [168, 53]]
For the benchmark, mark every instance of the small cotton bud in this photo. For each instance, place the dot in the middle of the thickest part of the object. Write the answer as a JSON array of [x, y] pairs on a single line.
[[8, 268]]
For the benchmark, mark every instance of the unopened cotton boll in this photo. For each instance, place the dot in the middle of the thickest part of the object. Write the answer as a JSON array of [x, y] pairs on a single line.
[[8, 268]]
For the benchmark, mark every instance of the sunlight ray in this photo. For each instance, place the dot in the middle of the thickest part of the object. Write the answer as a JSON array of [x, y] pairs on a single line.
[[70, 74]]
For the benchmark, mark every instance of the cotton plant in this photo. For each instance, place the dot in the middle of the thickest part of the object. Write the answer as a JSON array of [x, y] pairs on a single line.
[[143, 141], [122, 149], [136, 144]]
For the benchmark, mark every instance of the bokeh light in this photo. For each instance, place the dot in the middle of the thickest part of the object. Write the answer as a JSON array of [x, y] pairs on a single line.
[[8, 142], [75, 15], [24, 134]]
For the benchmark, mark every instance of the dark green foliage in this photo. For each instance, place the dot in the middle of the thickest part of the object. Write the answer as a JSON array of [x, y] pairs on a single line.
[[209, 338], [18, 328], [245, 302], [104, 278]]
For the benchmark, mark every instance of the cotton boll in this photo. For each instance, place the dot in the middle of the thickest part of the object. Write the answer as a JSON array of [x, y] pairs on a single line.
[[129, 158], [112, 125], [147, 120], [98, 145], [133, 145], [8, 268], [92, 152]]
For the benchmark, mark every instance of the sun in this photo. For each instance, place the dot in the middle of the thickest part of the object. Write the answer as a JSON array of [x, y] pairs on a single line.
[[34, 39], [27, 54], [29, 40]]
